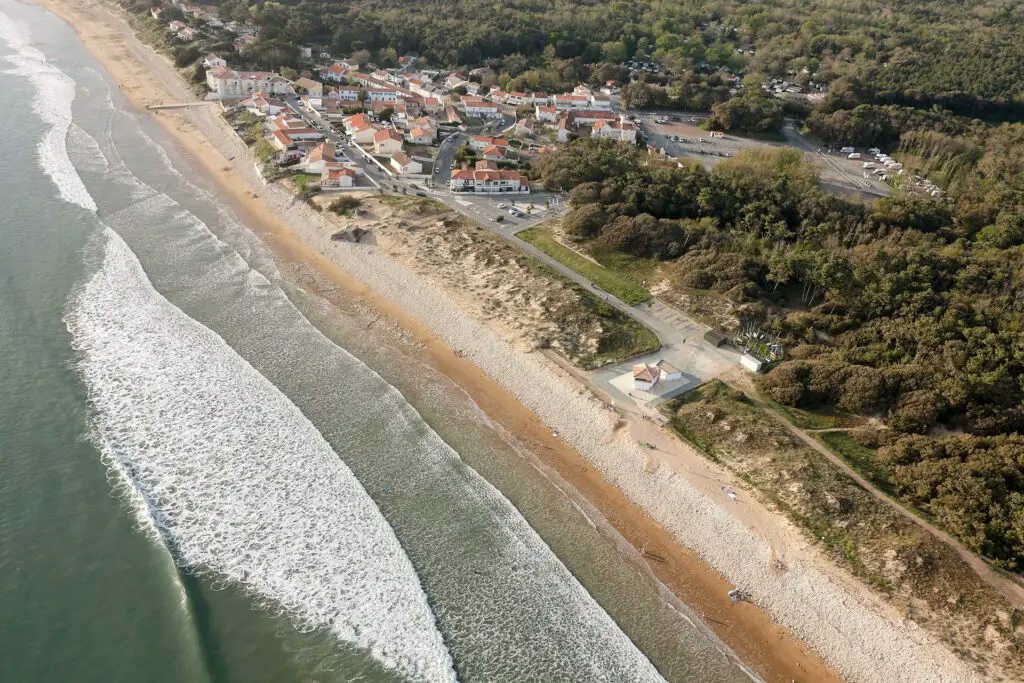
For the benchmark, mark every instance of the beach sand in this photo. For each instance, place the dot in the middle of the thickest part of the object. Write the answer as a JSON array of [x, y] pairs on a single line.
[[655, 504]]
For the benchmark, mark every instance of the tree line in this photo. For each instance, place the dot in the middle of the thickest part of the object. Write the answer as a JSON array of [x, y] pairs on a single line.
[[908, 309]]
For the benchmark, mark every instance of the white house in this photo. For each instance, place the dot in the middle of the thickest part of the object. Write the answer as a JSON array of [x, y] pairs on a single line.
[[212, 61], [355, 121], [587, 117], [479, 143], [281, 141], [517, 98], [645, 376], [382, 95], [564, 129], [296, 129], [486, 178], [263, 104], [315, 162], [404, 165], [601, 102], [669, 372], [546, 114], [363, 135], [314, 88], [569, 102], [493, 153], [624, 131], [228, 83], [420, 136], [343, 93], [334, 178], [474, 106], [387, 142], [333, 73]]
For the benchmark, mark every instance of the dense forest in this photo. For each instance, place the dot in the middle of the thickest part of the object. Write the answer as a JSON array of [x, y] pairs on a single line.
[[908, 309], [967, 57]]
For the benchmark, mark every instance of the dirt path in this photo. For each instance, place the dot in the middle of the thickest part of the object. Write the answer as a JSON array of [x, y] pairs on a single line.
[[1007, 586]]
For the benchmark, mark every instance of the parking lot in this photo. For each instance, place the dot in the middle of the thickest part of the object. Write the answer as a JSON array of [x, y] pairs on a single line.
[[684, 139], [501, 212]]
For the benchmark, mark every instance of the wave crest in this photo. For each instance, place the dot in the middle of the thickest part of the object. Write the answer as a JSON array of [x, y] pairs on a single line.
[[237, 480]]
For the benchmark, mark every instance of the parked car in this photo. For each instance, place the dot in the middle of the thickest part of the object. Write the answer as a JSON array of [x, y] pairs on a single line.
[[502, 206], [421, 194], [499, 218]]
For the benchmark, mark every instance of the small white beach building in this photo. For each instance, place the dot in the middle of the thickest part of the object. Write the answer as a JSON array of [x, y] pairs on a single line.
[[751, 363], [669, 372], [645, 376]]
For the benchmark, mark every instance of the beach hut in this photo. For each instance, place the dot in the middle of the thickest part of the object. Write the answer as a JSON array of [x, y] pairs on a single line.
[[751, 363], [669, 372], [645, 376]]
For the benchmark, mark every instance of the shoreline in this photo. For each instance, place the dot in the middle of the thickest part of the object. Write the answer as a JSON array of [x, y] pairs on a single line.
[[760, 643]]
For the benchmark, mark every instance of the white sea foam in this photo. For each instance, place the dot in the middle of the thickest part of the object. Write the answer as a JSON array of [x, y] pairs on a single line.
[[85, 152], [239, 482], [53, 94]]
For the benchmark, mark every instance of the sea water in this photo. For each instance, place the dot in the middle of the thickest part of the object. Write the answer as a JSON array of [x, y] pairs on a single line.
[[207, 474]]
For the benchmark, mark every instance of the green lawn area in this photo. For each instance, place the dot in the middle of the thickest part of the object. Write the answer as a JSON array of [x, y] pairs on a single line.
[[621, 287], [860, 458]]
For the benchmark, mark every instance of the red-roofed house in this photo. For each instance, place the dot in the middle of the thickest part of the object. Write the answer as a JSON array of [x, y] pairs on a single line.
[[337, 178], [226, 83], [474, 106], [387, 141], [481, 142], [546, 114], [404, 165], [645, 376], [566, 102], [487, 179], [281, 140], [333, 73], [318, 157], [624, 131], [420, 136], [494, 153]]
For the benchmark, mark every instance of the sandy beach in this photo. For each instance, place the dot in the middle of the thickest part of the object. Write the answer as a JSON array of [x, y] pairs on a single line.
[[813, 622]]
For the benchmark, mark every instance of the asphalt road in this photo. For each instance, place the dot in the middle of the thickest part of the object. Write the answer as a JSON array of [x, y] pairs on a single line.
[[681, 338]]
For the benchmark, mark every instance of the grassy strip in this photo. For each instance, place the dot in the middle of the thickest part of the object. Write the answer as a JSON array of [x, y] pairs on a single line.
[[623, 337], [623, 289]]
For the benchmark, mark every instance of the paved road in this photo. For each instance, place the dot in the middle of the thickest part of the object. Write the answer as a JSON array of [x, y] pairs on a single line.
[[681, 339]]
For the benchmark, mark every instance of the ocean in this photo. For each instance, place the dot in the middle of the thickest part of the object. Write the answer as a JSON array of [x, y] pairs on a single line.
[[210, 474]]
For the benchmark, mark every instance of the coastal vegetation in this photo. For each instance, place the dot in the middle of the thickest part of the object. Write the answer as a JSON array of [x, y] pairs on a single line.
[[909, 309], [498, 282], [615, 284], [920, 575], [968, 58]]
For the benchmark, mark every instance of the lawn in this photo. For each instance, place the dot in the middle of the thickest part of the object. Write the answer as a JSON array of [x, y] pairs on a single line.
[[861, 459], [621, 287]]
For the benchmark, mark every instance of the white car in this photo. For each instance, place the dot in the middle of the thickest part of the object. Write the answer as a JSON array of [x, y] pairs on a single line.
[[502, 206]]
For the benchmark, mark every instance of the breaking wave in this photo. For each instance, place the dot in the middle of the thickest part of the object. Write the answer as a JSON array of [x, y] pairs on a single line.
[[239, 483], [53, 93]]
